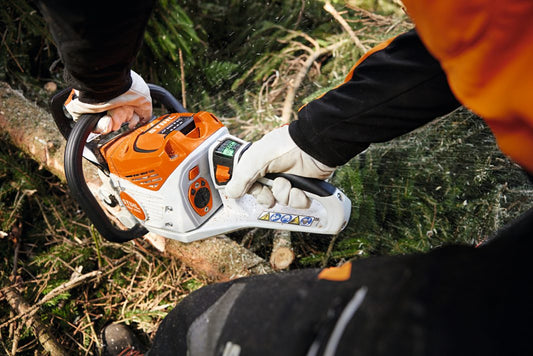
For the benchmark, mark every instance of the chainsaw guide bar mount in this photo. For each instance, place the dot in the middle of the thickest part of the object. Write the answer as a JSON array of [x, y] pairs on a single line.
[[167, 176]]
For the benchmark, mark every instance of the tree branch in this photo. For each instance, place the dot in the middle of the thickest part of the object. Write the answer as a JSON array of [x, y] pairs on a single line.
[[292, 87], [47, 340], [329, 8]]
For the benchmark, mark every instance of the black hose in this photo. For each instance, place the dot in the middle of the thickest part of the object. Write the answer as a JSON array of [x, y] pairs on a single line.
[[79, 189]]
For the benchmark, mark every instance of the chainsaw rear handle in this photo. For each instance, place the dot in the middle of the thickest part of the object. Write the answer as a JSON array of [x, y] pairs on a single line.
[[314, 186], [65, 124], [77, 138]]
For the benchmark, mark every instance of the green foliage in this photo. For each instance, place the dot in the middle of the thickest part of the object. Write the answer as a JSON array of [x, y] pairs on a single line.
[[169, 31], [238, 36], [26, 49], [192, 285], [220, 71], [447, 183]]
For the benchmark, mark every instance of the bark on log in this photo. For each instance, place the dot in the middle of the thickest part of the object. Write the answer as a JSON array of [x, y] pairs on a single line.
[[33, 130]]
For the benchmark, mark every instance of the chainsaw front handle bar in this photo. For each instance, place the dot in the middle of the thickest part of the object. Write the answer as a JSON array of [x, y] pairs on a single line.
[[79, 189], [65, 124]]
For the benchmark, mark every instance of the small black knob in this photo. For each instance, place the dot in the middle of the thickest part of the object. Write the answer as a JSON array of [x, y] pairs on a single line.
[[201, 199]]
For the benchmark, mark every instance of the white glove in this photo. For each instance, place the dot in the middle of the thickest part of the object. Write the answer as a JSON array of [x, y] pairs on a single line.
[[133, 106], [276, 152]]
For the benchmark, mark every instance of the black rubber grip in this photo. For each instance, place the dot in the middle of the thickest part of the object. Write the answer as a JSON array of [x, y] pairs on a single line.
[[163, 96], [78, 186], [311, 185], [63, 123]]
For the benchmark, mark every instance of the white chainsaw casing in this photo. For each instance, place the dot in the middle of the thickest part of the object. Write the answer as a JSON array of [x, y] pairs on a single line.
[[169, 210]]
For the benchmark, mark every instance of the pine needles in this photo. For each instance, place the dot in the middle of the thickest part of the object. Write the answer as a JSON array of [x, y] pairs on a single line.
[[72, 281], [446, 183]]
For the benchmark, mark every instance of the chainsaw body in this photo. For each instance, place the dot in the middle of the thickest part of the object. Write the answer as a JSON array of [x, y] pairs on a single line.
[[168, 177]]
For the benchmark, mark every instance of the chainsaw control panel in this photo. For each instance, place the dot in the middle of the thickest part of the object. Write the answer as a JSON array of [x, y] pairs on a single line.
[[200, 196], [223, 159]]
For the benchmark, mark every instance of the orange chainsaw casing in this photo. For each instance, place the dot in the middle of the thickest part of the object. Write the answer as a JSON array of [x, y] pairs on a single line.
[[148, 155]]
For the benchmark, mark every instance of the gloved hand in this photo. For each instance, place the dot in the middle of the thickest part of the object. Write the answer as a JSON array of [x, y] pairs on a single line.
[[276, 152], [132, 106]]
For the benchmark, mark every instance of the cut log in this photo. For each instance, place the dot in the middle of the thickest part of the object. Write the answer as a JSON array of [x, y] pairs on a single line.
[[218, 258], [33, 130], [282, 254]]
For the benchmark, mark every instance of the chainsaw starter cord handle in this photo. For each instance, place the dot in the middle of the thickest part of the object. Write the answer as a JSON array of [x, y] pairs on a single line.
[[79, 189]]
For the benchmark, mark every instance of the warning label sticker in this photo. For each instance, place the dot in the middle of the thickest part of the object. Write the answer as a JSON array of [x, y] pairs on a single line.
[[282, 218]]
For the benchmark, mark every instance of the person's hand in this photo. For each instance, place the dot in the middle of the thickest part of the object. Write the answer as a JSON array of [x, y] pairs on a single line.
[[276, 152], [132, 106]]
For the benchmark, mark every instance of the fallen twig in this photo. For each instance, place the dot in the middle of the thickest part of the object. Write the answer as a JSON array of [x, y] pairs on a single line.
[[329, 8], [17, 302], [30, 311], [16, 339], [327, 255], [182, 71], [292, 87], [16, 234], [248, 237]]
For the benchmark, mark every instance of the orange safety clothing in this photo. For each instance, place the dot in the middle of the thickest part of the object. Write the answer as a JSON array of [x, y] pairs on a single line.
[[485, 47]]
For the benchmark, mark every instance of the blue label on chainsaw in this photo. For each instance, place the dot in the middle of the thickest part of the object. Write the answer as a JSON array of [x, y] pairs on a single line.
[[274, 217], [292, 219]]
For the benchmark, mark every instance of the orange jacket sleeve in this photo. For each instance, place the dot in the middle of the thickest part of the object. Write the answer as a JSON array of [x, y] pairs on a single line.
[[486, 50]]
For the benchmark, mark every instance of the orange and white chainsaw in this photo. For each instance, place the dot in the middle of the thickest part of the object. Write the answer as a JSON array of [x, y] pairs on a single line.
[[167, 176]]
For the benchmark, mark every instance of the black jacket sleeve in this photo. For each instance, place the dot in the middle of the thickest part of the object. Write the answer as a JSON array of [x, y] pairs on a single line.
[[97, 41], [394, 90]]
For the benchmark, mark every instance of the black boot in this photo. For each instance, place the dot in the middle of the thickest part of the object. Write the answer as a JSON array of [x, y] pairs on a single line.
[[119, 340]]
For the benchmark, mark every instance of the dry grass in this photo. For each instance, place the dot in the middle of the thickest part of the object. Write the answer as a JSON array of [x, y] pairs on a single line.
[[306, 66], [71, 280]]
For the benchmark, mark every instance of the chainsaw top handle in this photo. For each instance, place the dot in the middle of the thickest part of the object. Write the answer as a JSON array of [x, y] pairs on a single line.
[[79, 189]]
